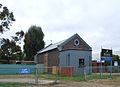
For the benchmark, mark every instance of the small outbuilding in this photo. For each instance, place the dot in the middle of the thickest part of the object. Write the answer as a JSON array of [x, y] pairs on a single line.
[[72, 52]]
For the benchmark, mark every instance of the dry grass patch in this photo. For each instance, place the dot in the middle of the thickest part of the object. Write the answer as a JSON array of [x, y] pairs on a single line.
[[114, 81], [16, 76]]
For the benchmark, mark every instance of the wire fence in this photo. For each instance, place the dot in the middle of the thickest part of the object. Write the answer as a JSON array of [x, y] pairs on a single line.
[[78, 73], [39, 74]]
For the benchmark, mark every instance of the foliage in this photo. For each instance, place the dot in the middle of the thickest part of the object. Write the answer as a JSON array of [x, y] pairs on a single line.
[[33, 41], [9, 50], [6, 18], [114, 58], [18, 37]]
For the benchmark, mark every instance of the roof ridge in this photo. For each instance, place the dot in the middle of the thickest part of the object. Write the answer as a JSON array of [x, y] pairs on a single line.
[[48, 45]]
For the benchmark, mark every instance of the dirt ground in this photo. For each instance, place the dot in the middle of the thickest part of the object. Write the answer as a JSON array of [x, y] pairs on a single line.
[[91, 83], [77, 84], [94, 83]]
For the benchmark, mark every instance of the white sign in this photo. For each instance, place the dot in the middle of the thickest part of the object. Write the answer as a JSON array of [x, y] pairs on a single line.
[[115, 63]]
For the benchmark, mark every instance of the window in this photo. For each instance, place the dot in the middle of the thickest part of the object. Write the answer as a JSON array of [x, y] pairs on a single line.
[[76, 42], [81, 62]]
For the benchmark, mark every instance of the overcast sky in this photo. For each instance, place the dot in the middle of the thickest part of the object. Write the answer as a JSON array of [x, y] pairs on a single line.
[[96, 21]]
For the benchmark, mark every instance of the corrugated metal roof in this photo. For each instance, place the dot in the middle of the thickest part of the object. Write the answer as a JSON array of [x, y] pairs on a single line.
[[51, 46]]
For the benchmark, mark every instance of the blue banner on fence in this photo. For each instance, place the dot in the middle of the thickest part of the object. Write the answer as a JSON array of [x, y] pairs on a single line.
[[106, 58], [24, 71]]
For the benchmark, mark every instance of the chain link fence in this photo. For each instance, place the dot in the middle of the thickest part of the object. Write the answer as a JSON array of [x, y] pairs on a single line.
[[77, 73], [39, 74]]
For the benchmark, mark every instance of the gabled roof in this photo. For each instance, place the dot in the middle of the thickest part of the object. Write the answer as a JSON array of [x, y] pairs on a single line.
[[61, 43]]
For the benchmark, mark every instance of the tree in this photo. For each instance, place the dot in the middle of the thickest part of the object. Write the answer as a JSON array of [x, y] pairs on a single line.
[[33, 42], [18, 37], [10, 51], [114, 58], [6, 18]]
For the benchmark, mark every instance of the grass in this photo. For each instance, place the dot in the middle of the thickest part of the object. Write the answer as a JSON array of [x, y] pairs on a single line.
[[59, 77], [98, 76], [95, 77], [13, 84], [17, 76], [102, 76], [77, 78], [115, 81], [73, 78]]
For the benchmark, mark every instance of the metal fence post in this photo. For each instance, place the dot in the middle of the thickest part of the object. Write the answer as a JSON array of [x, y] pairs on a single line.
[[36, 74], [101, 68], [111, 69], [84, 73]]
